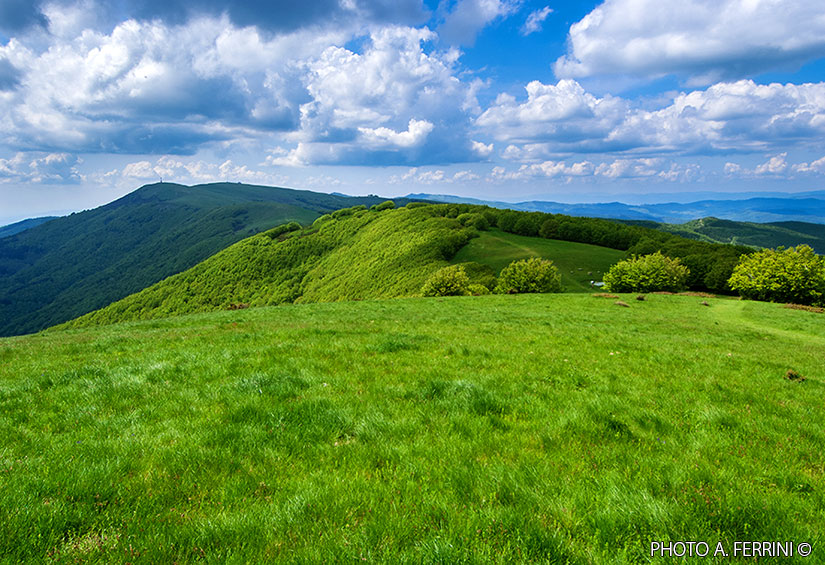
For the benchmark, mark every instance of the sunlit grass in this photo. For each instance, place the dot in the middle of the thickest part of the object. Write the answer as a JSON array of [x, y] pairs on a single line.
[[556, 428]]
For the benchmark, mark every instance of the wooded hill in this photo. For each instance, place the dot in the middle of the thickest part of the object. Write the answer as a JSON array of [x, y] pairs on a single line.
[[770, 235], [355, 254], [23, 225], [75, 264]]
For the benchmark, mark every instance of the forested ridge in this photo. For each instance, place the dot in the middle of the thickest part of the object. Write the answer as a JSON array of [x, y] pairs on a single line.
[[71, 265], [358, 253]]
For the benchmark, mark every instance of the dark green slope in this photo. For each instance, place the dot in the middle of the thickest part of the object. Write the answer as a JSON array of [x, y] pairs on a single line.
[[72, 265], [774, 234], [23, 225], [350, 255]]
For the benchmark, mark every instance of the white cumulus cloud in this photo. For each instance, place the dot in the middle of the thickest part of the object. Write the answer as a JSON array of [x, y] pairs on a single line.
[[774, 166], [392, 103], [727, 117], [564, 113], [417, 131], [817, 166], [655, 169], [703, 40], [37, 167]]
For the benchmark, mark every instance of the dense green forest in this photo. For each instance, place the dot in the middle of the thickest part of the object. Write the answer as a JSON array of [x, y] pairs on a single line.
[[75, 264], [356, 253]]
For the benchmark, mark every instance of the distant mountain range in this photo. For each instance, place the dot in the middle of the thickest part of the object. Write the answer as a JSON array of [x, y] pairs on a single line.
[[68, 266], [807, 207], [23, 225]]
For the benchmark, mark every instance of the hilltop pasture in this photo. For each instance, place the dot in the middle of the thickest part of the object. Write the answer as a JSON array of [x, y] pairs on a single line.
[[494, 429], [578, 263]]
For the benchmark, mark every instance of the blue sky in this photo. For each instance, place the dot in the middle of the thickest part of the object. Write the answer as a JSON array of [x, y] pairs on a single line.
[[505, 99]]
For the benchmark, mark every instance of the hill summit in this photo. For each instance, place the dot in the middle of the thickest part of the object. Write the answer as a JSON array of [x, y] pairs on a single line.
[[72, 265]]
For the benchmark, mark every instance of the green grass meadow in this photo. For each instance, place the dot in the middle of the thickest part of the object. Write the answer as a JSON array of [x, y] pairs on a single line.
[[578, 263], [493, 429]]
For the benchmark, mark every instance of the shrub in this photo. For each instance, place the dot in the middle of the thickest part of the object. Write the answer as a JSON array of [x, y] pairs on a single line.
[[649, 273], [478, 290], [344, 212], [490, 215], [796, 274], [475, 220], [385, 205], [322, 220], [447, 281], [479, 222], [507, 220], [282, 229], [529, 275], [480, 274]]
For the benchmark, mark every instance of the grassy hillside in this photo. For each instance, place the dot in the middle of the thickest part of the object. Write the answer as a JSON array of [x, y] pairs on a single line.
[[77, 263], [496, 429], [351, 255], [772, 235], [578, 263]]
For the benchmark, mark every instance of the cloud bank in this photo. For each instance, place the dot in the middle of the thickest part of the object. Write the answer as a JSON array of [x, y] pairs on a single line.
[[703, 40]]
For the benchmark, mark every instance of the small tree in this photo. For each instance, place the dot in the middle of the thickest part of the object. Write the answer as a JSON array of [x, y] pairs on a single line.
[[796, 274], [529, 275], [475, 220], [447, 281], [649, 273]]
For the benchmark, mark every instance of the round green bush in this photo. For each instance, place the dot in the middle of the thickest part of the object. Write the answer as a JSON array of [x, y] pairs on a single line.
[[795, 275], [649, 273], [529, 275], [447, 281], [476, 289]]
